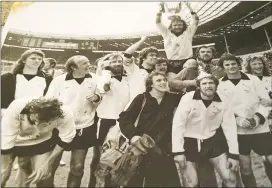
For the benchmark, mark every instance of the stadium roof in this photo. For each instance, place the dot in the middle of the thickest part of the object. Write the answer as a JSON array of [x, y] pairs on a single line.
[[108, 20]]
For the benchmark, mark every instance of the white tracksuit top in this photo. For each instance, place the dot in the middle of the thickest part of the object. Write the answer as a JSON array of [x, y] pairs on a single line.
[[194, 120], [245, 100], [16, 130], [67, 90]]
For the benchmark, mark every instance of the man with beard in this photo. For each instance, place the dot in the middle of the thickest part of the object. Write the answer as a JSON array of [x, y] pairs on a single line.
[[77, 89], [114, 101], [204, 129], [204, 55], [177, 40], [248, 97], [115, 98]]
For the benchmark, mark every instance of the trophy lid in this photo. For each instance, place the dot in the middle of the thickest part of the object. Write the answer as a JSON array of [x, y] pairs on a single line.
[[174, 17]]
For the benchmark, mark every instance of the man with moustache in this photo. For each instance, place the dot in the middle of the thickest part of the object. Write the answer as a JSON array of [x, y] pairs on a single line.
[[204, 129], [114, 101], [177, 39], [204, 55]]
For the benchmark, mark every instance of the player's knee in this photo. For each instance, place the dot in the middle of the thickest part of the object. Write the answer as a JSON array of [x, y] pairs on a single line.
[[246, 171], [190, 181], [77, 169], [230, 180]]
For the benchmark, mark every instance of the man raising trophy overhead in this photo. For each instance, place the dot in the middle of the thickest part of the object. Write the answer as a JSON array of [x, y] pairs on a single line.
[[177, 37]]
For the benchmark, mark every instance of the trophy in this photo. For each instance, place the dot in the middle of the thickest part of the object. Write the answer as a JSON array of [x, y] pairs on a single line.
[[173, 9]]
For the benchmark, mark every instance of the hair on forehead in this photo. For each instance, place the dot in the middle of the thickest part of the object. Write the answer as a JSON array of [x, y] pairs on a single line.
[[251, 59], [145, 51], [18, 68], [210, 77], [149, 80], [228, 57], [205, 47]]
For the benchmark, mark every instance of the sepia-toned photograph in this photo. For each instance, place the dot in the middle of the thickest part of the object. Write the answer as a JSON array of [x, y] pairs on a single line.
[[136, 94]]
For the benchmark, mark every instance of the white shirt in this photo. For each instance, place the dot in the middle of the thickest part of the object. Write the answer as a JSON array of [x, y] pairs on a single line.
[[115, 100], [245, 100], [194, 120], [178, 47], [29, 88], [67, 90], [267, 82], [17, 130], [137, 80]]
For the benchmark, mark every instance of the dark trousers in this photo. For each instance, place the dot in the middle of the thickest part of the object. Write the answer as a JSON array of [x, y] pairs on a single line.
[[105, 125], [156, 171]]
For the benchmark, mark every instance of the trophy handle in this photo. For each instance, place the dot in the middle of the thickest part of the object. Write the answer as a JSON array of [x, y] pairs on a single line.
[[179, 8], [162, 8]]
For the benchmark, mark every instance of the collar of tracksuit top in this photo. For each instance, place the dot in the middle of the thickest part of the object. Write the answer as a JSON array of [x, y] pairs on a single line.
[[243, 77], [70, 76]]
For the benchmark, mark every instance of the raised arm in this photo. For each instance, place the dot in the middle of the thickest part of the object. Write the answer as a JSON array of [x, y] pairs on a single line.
[[161, 27], [129, 64], [195, 20], [135, 46]]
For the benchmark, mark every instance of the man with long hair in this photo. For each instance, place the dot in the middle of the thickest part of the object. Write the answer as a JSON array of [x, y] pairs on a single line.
[[27, 132], [25, 80], [177, 40]]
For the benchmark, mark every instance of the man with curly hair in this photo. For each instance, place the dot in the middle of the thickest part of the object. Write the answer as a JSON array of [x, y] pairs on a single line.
[[28, 133], [257, 66], [137, 75]]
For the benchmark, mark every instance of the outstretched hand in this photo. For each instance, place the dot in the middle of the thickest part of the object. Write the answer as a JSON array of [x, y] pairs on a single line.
[[44, 172]]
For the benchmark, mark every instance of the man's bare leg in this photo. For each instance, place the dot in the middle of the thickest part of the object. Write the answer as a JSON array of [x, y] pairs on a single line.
[[77, 162], [228, 176], [24, 170], [6, 168], [268, 167], [247, 175], [189, 175], [206, 174]]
